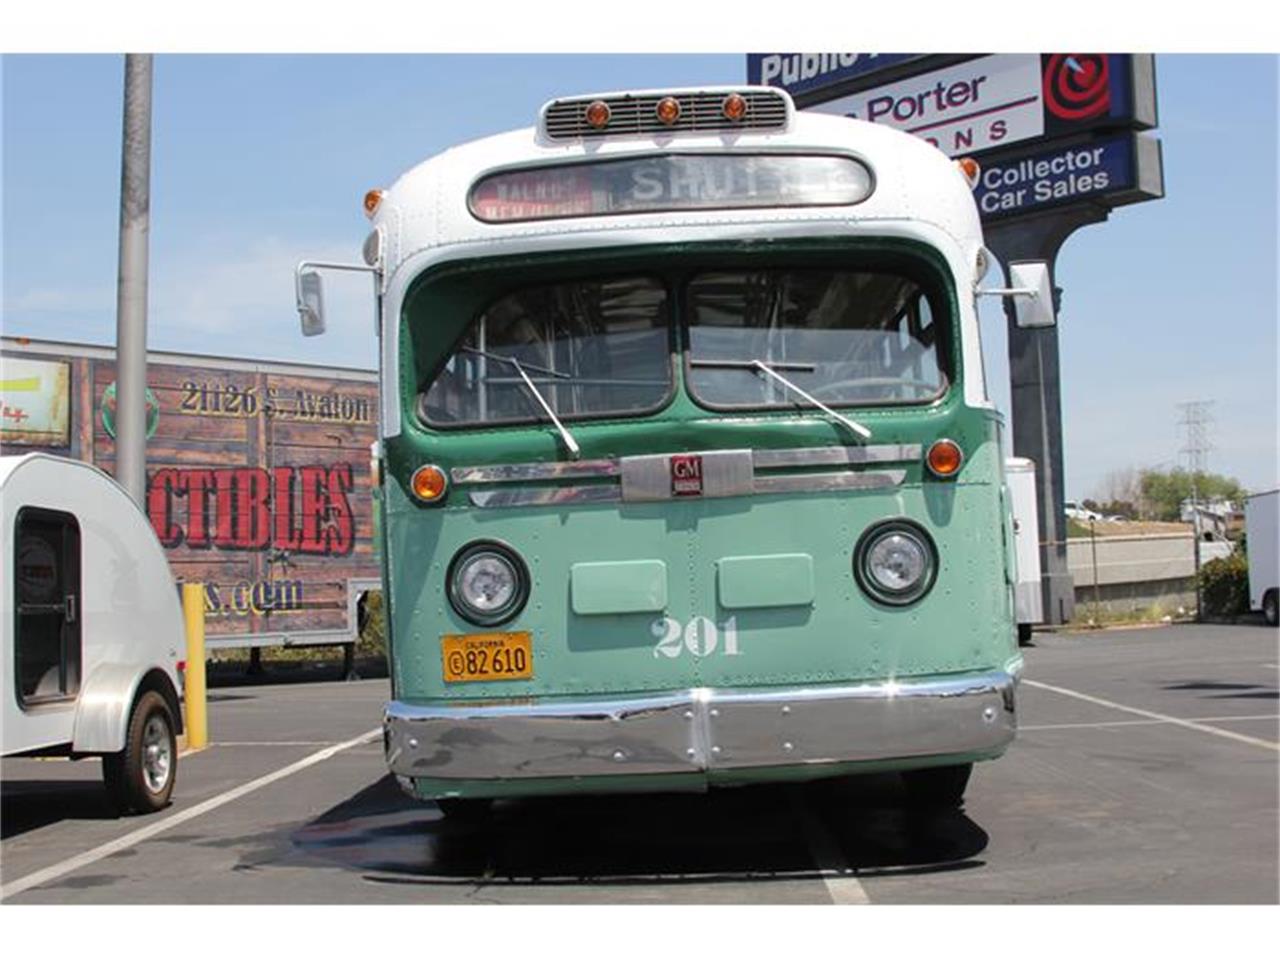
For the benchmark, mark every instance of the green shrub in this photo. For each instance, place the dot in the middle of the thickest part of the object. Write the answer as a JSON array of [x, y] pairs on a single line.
[[372, 641], [1224, 586]]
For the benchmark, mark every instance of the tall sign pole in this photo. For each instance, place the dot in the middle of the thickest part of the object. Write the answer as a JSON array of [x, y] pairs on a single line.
[[131, 287]]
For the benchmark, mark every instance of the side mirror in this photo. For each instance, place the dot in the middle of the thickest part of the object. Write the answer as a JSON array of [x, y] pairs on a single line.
[[311, 303], [1033, 299]]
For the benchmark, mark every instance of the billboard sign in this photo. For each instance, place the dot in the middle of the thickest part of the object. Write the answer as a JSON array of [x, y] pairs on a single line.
[[35, 401], [802, 73], [1007, 98], [1120, 169]]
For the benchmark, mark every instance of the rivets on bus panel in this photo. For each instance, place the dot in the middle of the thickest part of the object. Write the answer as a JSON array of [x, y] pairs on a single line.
[[734, 107], [944, 458], [429, 483], [598, 114], [668, 110]]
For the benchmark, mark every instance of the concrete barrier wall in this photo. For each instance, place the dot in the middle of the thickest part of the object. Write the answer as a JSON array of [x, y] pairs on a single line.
[[1137, 572]]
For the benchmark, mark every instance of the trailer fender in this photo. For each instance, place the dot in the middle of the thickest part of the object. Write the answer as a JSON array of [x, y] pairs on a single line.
[[102, 710]]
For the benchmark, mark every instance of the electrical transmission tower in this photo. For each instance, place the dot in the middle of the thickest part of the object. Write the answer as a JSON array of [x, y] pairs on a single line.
[[1196, 418]]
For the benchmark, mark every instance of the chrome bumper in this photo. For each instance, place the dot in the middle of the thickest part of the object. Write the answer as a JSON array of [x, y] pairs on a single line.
[[697, 730]]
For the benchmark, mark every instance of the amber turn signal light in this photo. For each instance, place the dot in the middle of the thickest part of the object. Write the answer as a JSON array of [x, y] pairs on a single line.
[[668, 110], [372, 200], [429, 483], [944, 458]]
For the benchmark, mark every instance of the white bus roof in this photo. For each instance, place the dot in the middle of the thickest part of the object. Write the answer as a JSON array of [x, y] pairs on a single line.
[[426, 208]]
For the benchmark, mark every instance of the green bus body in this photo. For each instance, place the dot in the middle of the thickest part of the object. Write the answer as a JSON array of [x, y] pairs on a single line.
[[771, 574]]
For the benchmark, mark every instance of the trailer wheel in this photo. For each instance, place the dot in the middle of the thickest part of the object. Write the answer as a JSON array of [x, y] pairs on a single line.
[[937, 787], [1270, 603], [140, 777], [1024, 634]]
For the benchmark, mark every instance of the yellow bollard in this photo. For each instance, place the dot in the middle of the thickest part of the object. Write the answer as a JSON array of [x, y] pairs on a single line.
[[197, 724]]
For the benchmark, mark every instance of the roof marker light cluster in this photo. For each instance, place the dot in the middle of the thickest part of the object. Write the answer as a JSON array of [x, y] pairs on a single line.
[[755, 108]]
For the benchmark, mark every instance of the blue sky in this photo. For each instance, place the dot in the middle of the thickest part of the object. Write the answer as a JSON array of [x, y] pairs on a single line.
[[259, 161]]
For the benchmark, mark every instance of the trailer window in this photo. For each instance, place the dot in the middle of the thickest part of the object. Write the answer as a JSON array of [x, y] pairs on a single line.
[[591, 348], [848, 338], [46, 590]]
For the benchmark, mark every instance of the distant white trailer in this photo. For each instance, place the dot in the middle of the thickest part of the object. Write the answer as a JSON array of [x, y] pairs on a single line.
[[92, 628], [1262, 529], [1020, 477]]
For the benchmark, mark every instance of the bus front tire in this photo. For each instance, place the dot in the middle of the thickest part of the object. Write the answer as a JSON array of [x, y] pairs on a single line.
[[937, 787], [140, 777]]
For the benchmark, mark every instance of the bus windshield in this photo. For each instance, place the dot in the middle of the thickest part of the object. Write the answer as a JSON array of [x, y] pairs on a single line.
[[846, 337], [591, 348]]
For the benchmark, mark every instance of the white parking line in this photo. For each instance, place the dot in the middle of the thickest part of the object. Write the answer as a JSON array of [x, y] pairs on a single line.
[[837, 875], [151, 830], [1163, 717], [1143, 723], [270, 743]]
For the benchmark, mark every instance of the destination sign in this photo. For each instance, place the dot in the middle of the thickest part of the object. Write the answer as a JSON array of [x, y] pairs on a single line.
[[1117, 170], [671, 182]]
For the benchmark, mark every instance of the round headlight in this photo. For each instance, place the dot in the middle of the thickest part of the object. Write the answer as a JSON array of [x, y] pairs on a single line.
[[488, 583], [895, 562]]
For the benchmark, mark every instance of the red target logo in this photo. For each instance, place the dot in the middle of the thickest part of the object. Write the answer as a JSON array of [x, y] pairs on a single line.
[[1077, 86]]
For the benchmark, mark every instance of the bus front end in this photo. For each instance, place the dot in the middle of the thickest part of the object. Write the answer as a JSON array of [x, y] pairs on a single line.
[[688, 475]]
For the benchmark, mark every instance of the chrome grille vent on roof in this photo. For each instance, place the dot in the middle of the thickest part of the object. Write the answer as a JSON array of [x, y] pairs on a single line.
[[631, 114]]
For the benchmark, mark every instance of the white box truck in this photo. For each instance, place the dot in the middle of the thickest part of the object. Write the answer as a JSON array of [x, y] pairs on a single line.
[[1020, 478], [1262, 530]]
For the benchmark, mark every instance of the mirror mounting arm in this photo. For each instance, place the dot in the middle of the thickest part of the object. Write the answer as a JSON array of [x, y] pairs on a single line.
[[307, 269], [1035, 306]]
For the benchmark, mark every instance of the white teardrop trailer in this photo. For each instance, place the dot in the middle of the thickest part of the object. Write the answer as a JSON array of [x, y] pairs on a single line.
[[92, 629]]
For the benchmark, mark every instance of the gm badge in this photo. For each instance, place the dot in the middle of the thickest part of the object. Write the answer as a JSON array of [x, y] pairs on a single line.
[[686, 475]]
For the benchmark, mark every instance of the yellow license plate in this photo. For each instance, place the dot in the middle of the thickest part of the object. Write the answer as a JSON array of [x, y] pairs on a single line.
[[486, 656]]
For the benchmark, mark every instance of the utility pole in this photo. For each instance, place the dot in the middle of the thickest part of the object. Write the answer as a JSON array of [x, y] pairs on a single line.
[[131, 287]]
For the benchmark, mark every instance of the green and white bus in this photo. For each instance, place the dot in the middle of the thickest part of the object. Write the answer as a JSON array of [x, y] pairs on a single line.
[[687, 474]]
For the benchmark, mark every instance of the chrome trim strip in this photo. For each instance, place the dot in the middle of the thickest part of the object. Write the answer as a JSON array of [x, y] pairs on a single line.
[[559, 470], [546, 496], [722, 473], [818, 482], [727, 473], [699, 730], [818, 456]]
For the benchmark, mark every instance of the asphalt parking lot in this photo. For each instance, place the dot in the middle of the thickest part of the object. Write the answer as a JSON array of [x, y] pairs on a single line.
[[1145, 771]]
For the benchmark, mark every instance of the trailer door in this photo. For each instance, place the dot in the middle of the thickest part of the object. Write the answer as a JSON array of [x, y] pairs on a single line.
[[46, 572]]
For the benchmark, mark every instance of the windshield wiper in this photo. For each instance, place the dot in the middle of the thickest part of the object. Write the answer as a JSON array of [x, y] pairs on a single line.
[[574, 450], [769, 368]]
